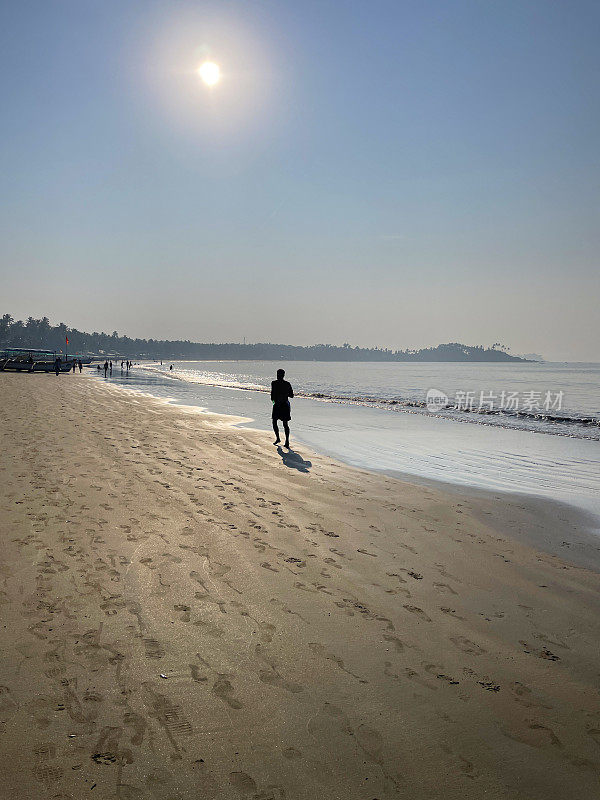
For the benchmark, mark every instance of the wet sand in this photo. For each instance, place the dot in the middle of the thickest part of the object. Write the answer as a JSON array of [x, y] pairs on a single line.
[[188, 612]]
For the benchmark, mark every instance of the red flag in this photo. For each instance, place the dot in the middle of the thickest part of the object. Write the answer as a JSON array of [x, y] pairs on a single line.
[[67, 338]]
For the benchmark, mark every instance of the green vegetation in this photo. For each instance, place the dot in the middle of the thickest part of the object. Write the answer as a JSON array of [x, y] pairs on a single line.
[[41, 334]]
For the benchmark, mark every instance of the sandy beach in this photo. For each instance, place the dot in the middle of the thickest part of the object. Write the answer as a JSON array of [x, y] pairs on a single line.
[[188, 612]]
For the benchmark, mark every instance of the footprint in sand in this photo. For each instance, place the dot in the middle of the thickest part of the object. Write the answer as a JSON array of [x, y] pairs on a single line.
[[535, 735], [45, 752], [466, 645], [319, 649], [444, 588], [548, 655], [136, 537], [466, 766], [398, 643], [291, 752], [242, 782], [170, 557], [273, 678], [451, 611], [595, 734], [222, 688], [218, 569], [371, 742], [524, 695], [157, 781], [185, 611], [412, 675], [153, 648], [437, 671], [328, 723], [330, 727], [195, 576], [298, 561], [267, 631], [490, 686], [108, 750], [113, 605], [418, 611], [411, 572], [7, 704], [198, 676], [137, 724], [47, 774], [170, 717]]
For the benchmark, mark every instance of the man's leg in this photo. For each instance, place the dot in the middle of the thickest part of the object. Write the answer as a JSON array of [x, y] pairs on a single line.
[[276, 429], [286, 428]]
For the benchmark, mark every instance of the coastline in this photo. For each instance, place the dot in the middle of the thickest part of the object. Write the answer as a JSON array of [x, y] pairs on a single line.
[[488, 457], [190, 612], [550, 525]]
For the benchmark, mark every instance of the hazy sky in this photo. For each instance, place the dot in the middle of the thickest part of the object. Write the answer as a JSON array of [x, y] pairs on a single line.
[[385, 173]]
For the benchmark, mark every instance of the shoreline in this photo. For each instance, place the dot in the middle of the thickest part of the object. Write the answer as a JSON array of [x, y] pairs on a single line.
[[190, 612], [404, 405], [573, 530]]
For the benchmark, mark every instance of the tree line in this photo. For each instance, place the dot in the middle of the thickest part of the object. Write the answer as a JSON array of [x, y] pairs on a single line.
[[40, 334]]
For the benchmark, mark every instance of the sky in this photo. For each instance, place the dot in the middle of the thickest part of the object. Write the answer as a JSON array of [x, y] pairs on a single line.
[[394, 173]]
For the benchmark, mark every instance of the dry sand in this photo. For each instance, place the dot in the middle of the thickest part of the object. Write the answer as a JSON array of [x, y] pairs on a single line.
[[186, 614]]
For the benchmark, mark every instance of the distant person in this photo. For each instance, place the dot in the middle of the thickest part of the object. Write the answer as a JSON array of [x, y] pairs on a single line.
[[98, 367], [105, 368], [74, 365], [281, 392], [79, 364], [57, 364], [110, 367], [171, 367]]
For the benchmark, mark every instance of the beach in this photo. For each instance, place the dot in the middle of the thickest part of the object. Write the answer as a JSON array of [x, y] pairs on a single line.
[[189, 612], [373, 417]]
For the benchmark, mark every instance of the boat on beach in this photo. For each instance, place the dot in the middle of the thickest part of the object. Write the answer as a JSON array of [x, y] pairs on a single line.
[[27, 359]]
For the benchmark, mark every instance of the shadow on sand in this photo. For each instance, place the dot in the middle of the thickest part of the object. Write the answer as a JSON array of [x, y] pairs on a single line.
[[294, 460]]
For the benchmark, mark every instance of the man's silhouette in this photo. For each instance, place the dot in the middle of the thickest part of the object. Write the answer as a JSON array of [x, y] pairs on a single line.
[[281, 391]]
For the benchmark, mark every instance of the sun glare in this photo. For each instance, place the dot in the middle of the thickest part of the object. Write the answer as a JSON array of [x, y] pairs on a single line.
[[210, 73]]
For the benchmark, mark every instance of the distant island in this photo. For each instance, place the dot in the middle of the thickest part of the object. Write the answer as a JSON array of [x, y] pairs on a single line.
[[39, 333]]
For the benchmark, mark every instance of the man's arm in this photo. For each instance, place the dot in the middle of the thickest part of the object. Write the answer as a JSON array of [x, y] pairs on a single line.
[[273, 391], [291, 391]]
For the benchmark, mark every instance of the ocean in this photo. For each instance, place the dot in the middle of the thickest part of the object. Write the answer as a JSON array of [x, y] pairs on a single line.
[[532, 428]]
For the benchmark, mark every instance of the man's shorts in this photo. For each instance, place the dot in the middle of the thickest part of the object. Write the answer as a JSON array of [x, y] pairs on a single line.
[[282, 411]]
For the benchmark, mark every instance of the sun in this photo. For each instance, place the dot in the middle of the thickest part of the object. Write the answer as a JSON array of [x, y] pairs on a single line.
[[210, 73]]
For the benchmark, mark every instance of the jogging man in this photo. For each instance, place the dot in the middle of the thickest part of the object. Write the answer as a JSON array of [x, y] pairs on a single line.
[[281, 391]]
